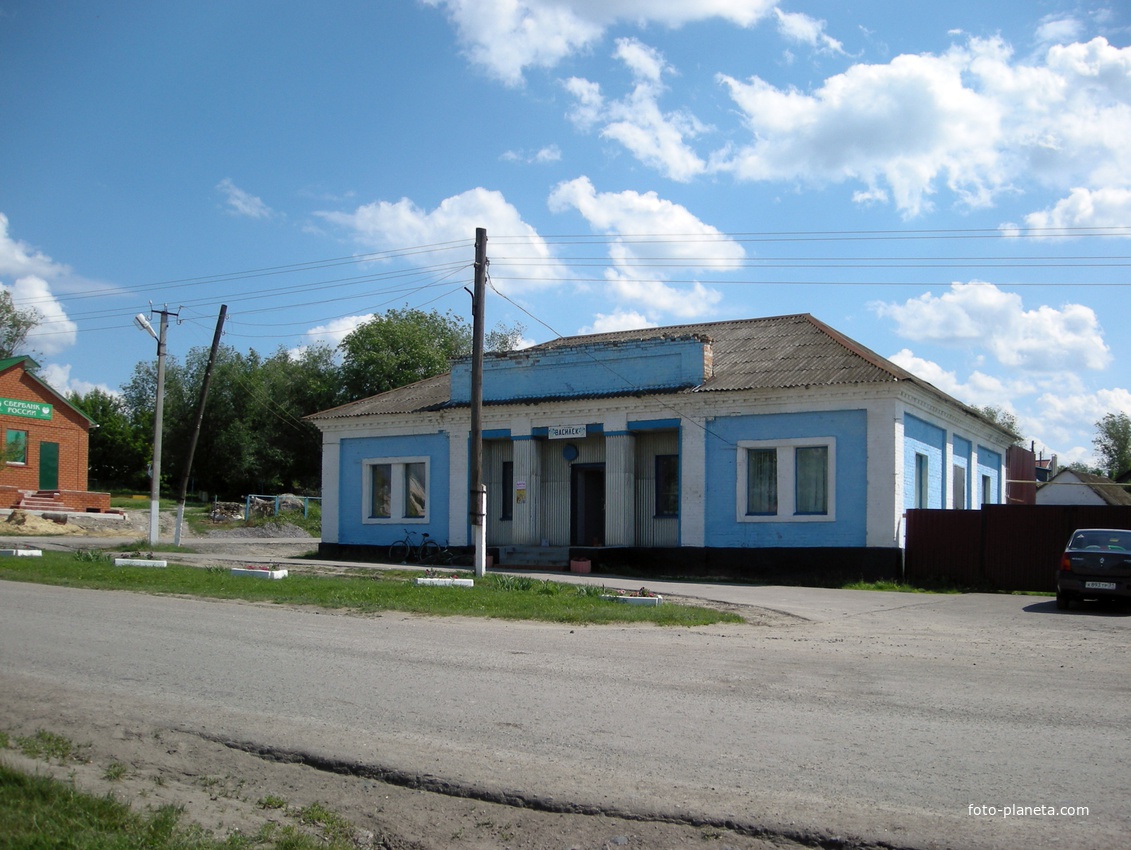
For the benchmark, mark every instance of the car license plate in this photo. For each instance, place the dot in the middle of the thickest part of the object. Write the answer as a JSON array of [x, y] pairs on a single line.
[[1099, 585]]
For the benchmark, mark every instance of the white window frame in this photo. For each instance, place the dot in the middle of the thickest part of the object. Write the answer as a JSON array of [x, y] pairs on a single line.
[[396, 497], [787, 479]]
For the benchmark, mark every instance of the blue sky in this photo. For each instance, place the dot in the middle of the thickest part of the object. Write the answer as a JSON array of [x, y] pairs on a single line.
[[948, 184]]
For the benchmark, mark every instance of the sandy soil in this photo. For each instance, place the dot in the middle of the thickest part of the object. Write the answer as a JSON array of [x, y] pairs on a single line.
[[226, 790], [148, 762]]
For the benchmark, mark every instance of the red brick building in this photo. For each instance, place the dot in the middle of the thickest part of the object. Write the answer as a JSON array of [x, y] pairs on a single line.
[[45, 443]]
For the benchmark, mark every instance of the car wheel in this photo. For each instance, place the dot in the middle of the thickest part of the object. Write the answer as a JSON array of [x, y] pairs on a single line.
[[1062, 601]]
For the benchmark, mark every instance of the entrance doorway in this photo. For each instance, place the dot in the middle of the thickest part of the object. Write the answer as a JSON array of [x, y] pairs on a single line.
[[587, 504], [48, 466]]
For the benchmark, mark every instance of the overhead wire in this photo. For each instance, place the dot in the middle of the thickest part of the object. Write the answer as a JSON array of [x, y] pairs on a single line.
[[404, 277]]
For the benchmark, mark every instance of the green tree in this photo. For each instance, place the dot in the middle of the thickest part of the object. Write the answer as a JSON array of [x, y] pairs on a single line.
[[1004, 418], [1113, 444], [409, 345], [15, 325], [120, 450], [399, 348], [252, 438], [139, 397]]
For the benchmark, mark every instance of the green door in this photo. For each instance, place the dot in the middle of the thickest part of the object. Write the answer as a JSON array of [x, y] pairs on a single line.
[[48, 466]]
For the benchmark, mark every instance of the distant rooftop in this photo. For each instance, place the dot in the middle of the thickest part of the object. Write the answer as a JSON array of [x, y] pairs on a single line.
[[782, 352]]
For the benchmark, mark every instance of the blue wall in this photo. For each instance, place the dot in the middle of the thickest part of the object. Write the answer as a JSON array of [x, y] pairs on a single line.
[[849, 427], [588, 370], [921, 437], [351, 530], [963, 455], [989, 463]]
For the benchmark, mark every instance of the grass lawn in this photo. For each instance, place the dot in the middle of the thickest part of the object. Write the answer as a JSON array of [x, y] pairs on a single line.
[[40, 813], [500, 596]]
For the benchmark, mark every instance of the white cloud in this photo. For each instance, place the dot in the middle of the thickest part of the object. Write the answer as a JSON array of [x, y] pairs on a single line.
[[388, 226], [621, 320], [799, 27], [550, 153], [332, 333], [55, 332], [978, 390], [640, 251], [902, 125], [973, 120], [658, 139], [1106, 207], [979, 315], [30, 272], [1058, 30], [18, 258], [58, 377], [242, 203], [506, 37], [1060, 418]]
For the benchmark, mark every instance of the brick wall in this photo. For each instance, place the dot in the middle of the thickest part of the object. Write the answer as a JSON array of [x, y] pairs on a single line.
[[67, 427]]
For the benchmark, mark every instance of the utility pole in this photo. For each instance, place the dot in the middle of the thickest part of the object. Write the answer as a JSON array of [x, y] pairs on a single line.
[[478, 489], [158, 425], [196, 425]]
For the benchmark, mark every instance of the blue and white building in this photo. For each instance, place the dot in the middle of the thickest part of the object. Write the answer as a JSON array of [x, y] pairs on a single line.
[[708, 444]]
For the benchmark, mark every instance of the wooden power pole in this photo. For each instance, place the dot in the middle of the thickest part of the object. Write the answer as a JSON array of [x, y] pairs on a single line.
[[478, 506]]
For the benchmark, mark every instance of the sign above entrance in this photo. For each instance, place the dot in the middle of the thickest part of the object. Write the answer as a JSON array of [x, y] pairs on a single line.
[[566, 432], [33, 409]]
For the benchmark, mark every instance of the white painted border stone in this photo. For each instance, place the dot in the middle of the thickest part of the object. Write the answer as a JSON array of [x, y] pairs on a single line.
[[635, 600], [447, 582], [138, 562], [272, 574], [22, 553]]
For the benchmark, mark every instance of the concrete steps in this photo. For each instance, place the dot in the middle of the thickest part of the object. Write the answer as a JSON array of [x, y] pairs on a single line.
[[535, 557], [41, 500]]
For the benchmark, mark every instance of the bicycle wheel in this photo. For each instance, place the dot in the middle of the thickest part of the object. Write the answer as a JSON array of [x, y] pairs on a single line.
[[429, 552], [398, 552]]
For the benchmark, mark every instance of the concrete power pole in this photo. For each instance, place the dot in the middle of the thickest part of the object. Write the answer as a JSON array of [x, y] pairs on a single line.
[[197, 423], [478, 503]]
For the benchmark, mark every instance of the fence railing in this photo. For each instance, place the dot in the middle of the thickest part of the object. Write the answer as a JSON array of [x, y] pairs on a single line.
[[264, 505]]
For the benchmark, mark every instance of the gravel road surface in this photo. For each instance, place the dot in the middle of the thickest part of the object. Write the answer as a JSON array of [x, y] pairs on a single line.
[[851, 719]]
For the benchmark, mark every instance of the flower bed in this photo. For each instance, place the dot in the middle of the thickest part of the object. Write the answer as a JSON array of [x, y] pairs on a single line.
[[643, 596], [258, 571], [139, 562]]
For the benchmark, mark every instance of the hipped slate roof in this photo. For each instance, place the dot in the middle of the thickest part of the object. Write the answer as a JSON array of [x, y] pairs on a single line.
[[773, 353], [1111, 492]]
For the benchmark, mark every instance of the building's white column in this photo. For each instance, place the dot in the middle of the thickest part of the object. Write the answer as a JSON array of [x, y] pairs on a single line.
[[620, 490], [693, 483], [459, 497], [526, 524], [884, 487], [331, 484]]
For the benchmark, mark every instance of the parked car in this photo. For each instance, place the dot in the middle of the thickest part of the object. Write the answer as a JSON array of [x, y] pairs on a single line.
[[1096, 564]]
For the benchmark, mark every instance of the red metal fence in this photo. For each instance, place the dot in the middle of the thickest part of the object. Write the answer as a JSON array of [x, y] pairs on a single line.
[[1000, 547]]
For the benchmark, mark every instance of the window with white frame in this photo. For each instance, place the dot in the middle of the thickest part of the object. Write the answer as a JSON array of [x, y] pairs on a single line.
[[922, 481], [395, 489], [787, 480]]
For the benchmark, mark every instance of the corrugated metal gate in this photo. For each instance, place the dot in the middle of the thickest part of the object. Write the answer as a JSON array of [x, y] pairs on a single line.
[[1000, 547]]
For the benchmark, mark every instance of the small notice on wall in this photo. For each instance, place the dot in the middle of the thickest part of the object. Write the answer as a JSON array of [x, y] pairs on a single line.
[[26, 409], [566, 432]]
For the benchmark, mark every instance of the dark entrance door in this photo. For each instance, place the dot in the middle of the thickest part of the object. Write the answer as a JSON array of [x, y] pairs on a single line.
[[48, 466], [587, 504]]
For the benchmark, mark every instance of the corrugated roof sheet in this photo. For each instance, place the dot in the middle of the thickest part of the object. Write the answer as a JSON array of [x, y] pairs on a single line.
[[772, 353]]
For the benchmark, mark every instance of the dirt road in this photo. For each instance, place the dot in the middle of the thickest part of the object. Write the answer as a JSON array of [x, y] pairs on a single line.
[[861, 724]]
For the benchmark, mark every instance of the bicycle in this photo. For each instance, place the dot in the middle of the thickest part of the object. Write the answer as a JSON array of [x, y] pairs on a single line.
[[425, 552]]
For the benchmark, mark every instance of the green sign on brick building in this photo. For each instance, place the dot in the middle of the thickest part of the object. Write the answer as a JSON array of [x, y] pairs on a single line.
[[26, 409]]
